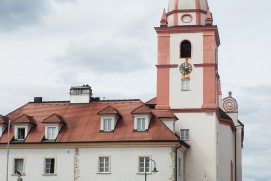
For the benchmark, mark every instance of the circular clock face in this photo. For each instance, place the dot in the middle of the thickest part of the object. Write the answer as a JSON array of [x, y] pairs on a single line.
[[185, 68], [186, 18]]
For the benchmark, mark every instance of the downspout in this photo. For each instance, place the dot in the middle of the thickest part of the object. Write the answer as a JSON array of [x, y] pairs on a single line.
[[176, 162], [235, 155], [235, 151]]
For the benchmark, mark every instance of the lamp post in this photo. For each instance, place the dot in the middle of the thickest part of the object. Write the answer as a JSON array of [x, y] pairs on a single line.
[[154, 169], [19, 176], [8, 149]]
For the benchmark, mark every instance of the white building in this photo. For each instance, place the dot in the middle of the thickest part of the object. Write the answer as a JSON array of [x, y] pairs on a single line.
[[187, 131]]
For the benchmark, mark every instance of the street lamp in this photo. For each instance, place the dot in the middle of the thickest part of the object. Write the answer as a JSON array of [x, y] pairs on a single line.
[[154, 169], [19, 176]]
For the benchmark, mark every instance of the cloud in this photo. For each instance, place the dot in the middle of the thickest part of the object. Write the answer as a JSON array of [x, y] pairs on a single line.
[[104, 56], [15, 14], [254, 111], [65, 1]]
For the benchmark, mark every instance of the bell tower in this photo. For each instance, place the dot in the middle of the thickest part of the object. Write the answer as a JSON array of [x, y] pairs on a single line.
[[188, 85], [187, 57]]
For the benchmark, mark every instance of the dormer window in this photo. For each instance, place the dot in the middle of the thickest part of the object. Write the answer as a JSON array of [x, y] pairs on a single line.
[[142, 117], [109, 118], [20, 133], [53, 125], [22, 126], [107, 124], [141, 124], [51, 132]]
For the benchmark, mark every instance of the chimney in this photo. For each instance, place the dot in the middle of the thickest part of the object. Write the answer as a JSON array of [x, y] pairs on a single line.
[[37, 99], [80, 94]]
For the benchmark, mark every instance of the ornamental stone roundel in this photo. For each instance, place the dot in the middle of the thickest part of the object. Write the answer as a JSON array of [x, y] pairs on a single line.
[[230, 104]]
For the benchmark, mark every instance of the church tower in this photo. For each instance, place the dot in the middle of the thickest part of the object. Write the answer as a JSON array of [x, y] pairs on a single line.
[[188, 84]]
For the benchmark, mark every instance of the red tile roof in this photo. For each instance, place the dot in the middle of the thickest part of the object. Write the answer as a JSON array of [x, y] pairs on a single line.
[[24, 119], [141, 110], [152, 101], [54, 118], [108, 110], [3, 119], [83, 122], [164, 114]]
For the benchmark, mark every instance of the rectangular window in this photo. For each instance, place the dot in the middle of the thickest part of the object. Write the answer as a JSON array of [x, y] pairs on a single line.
[[104, 164], [107, 124], [184, 134], [144, 164], [49, 167], [185, 84], [141, 124], [51, 133], [21, 133], [18, 165]]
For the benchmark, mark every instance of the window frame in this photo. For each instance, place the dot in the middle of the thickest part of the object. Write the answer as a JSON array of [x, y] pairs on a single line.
[[149, 164], [45, 168], [142, 125], [14, 166], [104, 164], [185, 85], [16, 135], [106, 123], [19, 135], [51, 136], [184, 134], [52, 125]]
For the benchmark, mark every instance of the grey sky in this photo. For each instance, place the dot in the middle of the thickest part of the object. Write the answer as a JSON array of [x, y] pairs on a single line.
[[47, 46]]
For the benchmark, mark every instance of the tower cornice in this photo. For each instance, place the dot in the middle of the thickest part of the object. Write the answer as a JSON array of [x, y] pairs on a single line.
[[190, 29]]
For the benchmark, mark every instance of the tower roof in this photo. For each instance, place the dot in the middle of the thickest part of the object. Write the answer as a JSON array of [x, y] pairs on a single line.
[[187, 5], [188, 12]]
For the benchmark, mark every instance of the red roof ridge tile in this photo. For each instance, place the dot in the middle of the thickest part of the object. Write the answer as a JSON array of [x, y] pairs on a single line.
[[141, 110], [25, 119], [54, 118], [109, 110], [164, 114], [152, 101], [3, 119]]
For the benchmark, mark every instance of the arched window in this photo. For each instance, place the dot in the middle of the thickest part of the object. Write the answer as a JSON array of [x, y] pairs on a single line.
[[185, 49]]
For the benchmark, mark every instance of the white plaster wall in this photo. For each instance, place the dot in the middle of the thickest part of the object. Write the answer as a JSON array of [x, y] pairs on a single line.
[[187, 4], [170, 124], [203, 18], [194, 97], [80, 98], [203, 5], [170, 5], [200, 159], [180, 173], [226, 153], [34, 164], [239, 154], [234, 117], [193, 22], [170, 20], [124, 163]]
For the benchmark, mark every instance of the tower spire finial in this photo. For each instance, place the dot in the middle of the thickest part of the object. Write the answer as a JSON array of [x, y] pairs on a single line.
[[163, 21], [209, 18]]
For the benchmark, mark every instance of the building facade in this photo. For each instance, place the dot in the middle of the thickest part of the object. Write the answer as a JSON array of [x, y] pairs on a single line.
[[187, 132]]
